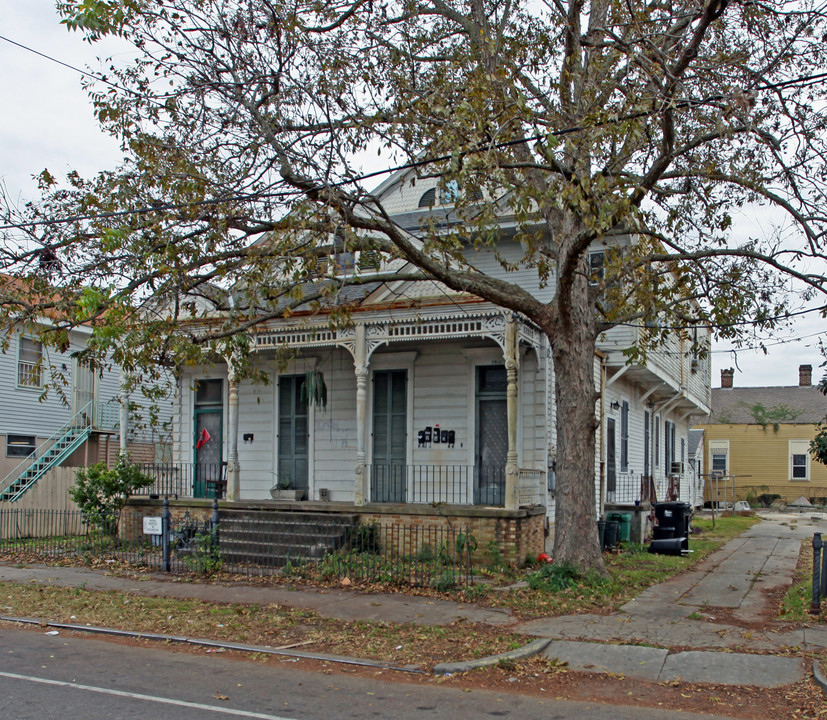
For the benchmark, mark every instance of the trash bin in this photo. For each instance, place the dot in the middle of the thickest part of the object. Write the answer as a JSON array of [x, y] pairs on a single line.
[[624, 520], [662, 532], [667, 546], [675, 515], [610, 534], [601, 533]]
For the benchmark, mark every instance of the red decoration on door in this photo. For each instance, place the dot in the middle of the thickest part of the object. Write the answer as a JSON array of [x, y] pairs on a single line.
[[202, 439]]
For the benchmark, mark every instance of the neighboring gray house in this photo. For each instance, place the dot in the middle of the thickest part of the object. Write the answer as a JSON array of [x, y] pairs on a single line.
[[57, 412]]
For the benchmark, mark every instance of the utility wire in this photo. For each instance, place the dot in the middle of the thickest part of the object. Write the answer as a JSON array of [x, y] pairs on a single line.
[[801, 80]]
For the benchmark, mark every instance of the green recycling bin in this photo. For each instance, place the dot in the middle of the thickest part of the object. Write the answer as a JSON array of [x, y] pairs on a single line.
[[624, 521]]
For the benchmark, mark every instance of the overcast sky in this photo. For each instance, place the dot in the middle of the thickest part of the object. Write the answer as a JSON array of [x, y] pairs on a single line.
[[46, 122]]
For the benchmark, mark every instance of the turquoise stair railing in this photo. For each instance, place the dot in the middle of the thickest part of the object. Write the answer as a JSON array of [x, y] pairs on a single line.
[[49, 455]]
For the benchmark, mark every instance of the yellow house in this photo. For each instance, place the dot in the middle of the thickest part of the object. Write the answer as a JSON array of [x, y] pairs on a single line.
[[757, 440]]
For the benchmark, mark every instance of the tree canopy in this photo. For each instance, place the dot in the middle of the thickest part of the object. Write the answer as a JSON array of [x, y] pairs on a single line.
[[249, 128]]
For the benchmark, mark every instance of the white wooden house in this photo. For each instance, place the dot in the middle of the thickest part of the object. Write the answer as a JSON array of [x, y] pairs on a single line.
[[434, 399]]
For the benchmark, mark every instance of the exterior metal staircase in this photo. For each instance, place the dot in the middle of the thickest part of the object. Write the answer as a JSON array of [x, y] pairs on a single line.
[[49, 455]]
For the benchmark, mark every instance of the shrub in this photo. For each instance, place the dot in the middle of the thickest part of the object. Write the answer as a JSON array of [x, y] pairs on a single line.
[[205, 556], [101, 492], [554, 577]]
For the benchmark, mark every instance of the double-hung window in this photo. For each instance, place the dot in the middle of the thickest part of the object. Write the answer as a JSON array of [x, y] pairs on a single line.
[[799, 460], [719, 457], [624, 437], [29, 358]]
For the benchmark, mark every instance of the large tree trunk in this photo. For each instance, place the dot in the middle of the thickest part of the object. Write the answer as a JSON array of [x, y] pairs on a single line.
[[575, 530], [573, 343]]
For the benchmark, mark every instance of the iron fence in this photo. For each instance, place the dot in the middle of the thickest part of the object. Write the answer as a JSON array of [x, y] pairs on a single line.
[[819, 574], [426, 484], [394, 554], [184, 480], [410, 555]]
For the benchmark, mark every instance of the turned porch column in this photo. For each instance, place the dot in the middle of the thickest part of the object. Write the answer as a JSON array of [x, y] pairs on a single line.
[[233, 467], [512, 471], [123, 430], [360, 362]]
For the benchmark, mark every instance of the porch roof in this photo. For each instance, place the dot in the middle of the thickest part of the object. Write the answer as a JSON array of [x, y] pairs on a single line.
[[387, 325]]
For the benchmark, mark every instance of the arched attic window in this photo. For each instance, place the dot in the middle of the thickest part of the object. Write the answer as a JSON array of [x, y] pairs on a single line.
[[428, 198]]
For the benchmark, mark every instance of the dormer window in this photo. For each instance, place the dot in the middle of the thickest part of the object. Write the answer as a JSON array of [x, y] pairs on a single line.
[[446, 195]]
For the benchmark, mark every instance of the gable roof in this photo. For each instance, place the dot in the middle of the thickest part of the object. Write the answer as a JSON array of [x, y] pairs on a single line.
[[768, 405]]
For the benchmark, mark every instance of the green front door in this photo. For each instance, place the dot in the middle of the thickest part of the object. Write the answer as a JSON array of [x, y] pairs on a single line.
[[293, 457], [208, 472]]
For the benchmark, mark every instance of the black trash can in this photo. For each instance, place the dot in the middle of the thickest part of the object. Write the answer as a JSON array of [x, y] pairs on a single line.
[[601, 533], [674, 516], [662, 532], [610, 534]]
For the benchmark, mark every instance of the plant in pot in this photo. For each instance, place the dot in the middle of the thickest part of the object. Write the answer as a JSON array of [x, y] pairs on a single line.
[[283, 490]]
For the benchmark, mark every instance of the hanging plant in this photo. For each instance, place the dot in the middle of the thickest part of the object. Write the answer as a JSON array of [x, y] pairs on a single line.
[[314, 389]]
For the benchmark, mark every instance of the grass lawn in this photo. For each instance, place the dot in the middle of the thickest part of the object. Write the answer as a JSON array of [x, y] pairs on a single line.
[[631, 570]]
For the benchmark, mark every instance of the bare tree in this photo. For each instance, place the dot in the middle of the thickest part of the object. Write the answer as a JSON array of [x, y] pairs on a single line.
[[577, 121]]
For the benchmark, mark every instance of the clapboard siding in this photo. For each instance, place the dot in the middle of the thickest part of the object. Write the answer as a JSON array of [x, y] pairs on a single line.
[[32, 413]]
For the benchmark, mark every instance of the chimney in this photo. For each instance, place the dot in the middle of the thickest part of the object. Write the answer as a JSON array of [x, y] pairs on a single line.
[[805, 375], [726, 377]]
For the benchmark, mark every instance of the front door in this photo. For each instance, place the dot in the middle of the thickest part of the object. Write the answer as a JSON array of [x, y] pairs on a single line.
[[388, 479], [208, 475], [293, 462], [492, 435], [611, 461]]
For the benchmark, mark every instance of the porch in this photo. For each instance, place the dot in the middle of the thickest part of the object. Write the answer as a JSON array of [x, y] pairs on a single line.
[[446, 409], [638, 489]]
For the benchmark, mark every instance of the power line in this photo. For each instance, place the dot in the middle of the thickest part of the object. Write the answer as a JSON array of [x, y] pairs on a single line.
[[739, 323], [801, 80]]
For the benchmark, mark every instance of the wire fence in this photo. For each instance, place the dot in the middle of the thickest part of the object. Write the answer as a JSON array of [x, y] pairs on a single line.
[[328, 548]]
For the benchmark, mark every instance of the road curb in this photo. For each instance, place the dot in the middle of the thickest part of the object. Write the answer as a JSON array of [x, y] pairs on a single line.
[[819, 676], [204, 642], [533, 648]]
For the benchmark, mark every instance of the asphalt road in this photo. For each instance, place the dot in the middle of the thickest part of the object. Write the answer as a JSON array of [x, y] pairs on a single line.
[[60, 677]]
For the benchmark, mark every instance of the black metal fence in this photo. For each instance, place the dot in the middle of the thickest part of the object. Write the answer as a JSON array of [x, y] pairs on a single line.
[[424, 484], [207, 480], [395, 554], [819, 574]]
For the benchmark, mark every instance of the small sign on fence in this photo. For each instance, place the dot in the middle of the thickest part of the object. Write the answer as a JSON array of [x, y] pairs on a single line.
[[152, 526]]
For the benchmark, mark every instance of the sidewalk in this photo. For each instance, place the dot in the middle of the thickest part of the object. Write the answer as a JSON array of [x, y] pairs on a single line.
[[674, 615]]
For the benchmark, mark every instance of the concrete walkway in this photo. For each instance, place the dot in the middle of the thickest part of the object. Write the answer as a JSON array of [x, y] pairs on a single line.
[[677, 616]]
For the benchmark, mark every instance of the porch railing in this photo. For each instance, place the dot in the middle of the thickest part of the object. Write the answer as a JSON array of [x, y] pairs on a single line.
[[532, 487], [632, 488], [207, 480], [451, 484]]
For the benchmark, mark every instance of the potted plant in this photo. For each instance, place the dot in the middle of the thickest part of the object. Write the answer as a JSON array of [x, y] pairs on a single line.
[[283, 490]]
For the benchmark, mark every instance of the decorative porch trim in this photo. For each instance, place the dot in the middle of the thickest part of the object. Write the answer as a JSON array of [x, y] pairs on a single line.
[[491, 324]]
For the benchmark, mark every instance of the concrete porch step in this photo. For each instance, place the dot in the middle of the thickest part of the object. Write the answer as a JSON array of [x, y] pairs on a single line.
[[274, 537]]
